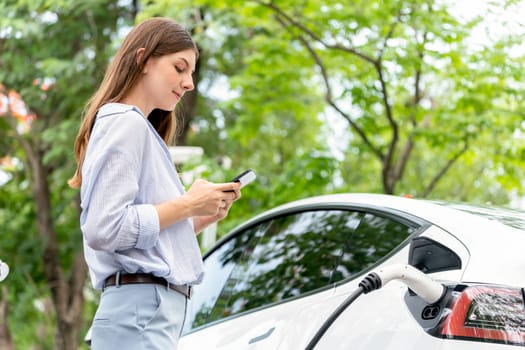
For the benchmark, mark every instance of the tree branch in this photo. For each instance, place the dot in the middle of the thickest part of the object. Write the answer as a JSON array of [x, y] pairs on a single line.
[[328, 96], [388, 178], [388, 36], [444, 170], [403, 159], [336, 46], [409, 145]]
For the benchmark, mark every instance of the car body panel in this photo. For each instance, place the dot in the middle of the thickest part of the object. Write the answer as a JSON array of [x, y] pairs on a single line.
[[258, 329]]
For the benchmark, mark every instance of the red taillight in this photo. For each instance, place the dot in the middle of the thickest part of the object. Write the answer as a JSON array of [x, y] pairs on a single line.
[[483, 313]]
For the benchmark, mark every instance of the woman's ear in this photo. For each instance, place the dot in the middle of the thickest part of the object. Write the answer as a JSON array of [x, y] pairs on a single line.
[[138, 57]]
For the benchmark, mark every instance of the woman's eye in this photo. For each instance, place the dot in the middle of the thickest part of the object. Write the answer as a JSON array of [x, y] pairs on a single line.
[[179, 70]]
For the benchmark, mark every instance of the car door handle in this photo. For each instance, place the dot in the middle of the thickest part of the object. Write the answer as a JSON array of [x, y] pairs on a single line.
[[262, 336]]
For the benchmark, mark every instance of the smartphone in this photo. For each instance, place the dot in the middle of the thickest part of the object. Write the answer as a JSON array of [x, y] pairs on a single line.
[[245, 177]]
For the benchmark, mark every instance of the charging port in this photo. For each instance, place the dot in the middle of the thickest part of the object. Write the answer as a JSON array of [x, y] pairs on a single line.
[[430, 312]]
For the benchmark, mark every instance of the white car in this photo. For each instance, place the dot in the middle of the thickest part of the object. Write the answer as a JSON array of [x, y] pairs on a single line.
[[304, 276]]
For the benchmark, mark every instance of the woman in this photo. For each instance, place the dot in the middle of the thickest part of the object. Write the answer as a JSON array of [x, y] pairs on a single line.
[[138, 223]]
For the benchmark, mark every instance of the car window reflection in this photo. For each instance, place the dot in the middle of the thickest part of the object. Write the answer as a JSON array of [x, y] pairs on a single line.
[[288, 256]]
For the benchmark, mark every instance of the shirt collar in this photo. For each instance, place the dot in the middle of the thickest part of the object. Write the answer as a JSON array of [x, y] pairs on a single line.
[[115, 107]]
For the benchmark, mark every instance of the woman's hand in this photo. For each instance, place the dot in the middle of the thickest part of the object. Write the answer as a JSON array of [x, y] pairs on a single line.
[[201, 222], [205, 202], [209, 199]]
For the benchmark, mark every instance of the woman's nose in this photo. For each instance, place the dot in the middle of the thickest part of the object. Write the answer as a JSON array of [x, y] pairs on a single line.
[[187, 83]]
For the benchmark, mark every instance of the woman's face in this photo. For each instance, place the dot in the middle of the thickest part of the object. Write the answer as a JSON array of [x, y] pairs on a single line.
[[167, 78]]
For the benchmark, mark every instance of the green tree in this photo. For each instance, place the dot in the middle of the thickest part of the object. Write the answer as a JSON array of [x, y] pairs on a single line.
[[404, 78], [256, 107], [54, 54], [420, 103]]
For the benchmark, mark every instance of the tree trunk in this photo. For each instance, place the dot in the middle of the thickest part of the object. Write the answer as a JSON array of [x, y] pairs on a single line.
[[189, 106], [6, 341], [67, 296]]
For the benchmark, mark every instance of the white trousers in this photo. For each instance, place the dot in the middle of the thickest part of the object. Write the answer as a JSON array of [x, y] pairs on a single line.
[[138, 316]]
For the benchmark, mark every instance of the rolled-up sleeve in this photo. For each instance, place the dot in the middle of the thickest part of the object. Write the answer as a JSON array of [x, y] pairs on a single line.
[[112, 220], [148, 226]]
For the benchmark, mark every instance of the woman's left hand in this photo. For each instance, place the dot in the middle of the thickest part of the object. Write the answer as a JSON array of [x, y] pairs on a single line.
[[201, 222]]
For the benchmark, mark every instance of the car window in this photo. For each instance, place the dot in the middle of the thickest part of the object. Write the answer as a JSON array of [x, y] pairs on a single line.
[[372, 240], [218, 268], [288, 256]]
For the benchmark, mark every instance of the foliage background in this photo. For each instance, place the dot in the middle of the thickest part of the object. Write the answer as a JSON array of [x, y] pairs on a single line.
[[373, 96]]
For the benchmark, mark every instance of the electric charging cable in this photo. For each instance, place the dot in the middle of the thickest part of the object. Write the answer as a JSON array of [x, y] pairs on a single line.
[[425, 287]]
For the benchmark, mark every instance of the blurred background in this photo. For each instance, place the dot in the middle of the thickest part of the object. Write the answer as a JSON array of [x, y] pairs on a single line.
[[421, 98]]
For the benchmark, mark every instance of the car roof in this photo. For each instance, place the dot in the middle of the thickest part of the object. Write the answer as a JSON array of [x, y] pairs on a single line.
[[450, 216], [447, 215]]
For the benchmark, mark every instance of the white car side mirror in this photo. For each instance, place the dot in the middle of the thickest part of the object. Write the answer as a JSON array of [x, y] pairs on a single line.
[[4, 270]]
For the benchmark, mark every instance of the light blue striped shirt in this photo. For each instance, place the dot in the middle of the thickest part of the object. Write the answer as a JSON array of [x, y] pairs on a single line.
[[126, 171]]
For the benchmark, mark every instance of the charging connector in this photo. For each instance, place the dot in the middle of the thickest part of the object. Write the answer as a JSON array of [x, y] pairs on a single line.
[[425, 287], [428, 289]]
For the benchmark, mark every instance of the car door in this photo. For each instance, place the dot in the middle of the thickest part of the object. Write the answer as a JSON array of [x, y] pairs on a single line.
[[262, 277], [382, 319]]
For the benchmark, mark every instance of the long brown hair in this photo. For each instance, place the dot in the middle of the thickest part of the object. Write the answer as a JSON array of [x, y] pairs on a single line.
[[158, 37]]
